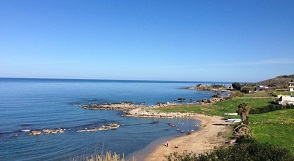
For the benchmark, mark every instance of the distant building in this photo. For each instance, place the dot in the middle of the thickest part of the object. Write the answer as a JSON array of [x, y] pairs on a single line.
[[261, 88], [291, 86], [285, 100]]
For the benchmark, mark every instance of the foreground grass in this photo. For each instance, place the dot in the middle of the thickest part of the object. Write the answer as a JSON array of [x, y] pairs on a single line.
[[219, 108], [246, 149], [106, 157], [274, 127]]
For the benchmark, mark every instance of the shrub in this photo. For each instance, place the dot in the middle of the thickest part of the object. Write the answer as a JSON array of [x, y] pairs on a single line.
[[270, 108], [246, 149], [245, 90], [236, 86]]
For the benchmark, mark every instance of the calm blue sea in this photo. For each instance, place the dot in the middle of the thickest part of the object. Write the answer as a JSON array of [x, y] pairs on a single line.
[[35, 104]]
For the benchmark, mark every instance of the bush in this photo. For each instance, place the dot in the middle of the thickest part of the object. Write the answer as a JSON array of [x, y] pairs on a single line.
[[236, 86], [245, 90], [247, 149], [270, 108]]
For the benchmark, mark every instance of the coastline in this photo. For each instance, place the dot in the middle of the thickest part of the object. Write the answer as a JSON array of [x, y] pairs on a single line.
[[209, 137]]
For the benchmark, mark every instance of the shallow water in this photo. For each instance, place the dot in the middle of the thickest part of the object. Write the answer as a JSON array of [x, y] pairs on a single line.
[[35, 104]]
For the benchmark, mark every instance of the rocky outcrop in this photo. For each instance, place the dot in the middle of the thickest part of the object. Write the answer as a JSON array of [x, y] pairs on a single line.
[[151, 112], [213, 87], [47, 131], [212, 100], [112, 106]]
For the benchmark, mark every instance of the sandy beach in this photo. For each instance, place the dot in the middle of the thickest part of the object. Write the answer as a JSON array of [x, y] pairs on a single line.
[[207, 138]]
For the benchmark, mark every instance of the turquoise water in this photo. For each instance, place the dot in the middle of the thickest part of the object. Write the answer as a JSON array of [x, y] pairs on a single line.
[[36, 104]]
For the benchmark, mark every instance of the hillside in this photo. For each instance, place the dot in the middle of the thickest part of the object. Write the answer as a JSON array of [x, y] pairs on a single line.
[[279, 81]]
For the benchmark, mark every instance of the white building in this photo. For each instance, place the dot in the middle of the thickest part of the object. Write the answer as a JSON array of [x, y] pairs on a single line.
[[284, 100], [261, 87], [291, 86]]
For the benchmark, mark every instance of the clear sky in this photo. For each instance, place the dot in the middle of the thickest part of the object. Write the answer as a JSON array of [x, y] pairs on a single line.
[[198, 40]]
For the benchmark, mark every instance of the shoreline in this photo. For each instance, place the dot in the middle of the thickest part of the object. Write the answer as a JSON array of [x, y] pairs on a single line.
[[209, 137], [211, 134]]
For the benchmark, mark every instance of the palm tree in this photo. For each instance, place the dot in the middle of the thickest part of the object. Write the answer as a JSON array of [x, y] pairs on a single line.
[[243, 111]]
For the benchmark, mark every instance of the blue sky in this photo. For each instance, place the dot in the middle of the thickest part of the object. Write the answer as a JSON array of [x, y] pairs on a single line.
[[201, 40]]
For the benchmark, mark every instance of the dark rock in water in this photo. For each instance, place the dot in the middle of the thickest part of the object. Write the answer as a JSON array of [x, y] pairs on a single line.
[[181, 99], [172, 124], [155, 122], [142, 103]]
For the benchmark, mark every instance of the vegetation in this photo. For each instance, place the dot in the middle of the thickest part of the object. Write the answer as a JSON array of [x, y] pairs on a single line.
[[246, 90], [257, 94], [220, 108], [107, 157], [269, 108], [217, 86], [247, 149], [236, 86], [268, 136], [274, 127], [278, 82], [281, 92], [243, 110]]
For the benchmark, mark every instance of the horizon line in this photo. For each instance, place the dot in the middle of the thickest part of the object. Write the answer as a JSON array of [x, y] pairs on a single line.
[[106, 79]]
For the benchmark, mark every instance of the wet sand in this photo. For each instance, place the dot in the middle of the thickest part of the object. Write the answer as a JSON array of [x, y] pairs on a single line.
[[210, 136]]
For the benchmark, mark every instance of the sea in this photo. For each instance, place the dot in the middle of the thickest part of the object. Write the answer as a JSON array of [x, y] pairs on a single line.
[[35, 104]]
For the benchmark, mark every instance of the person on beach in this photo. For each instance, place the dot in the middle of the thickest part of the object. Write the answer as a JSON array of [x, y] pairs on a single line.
[[166, 143]]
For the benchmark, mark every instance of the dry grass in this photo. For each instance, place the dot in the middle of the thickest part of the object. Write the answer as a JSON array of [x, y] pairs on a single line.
[[107, 157]]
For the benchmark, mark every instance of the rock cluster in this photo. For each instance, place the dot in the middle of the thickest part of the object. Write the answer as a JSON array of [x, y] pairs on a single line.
[[149, 112], [212, 100], [112, 106], [47, 131], [103, 127], [212, 87]]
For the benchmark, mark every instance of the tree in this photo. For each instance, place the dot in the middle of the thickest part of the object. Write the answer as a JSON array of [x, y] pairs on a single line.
[[242, 131], [243, 110], [236, 86]]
